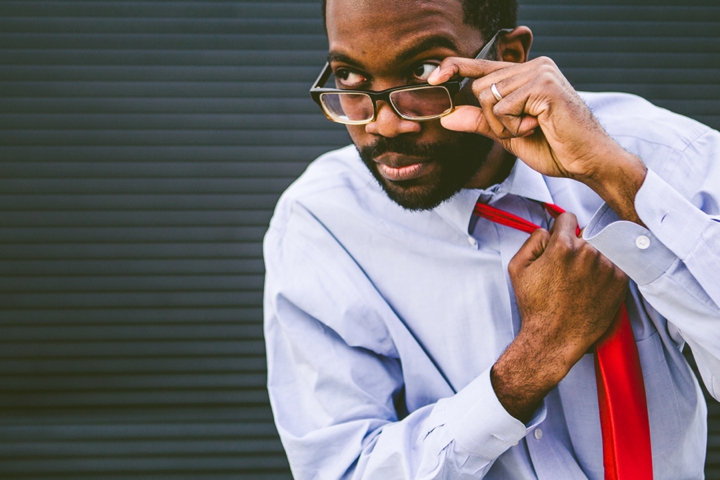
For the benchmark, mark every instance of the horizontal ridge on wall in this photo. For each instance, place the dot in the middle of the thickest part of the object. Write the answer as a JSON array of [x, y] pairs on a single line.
[[143, 146]]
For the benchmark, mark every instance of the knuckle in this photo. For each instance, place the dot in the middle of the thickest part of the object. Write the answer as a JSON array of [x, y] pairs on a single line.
[[585, 247], [588, 253], [569, 217], [540, 237], [514, 267], [486, 98], [546, 78], [542, 234], [448, 62], [500, 109], [450, 65], [563, 244], [546, 62], [505, 110]]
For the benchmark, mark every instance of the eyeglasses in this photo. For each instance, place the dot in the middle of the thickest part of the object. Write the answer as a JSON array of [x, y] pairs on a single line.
[[419, 102]]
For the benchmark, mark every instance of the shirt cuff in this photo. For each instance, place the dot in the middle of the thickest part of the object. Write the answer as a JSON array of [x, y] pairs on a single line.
[[676, 222], [480, 424], [637, 250], [633, 248]]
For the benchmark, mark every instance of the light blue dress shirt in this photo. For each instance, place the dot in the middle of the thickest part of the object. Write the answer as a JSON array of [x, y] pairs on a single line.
[[382, 324]]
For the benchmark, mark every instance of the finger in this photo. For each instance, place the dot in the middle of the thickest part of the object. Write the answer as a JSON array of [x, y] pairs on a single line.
[[466, 118], [507, 117], [565, 224], [506, 80], [541, 72], [465, 67], [530, 251], [527, 95], [512, 113], [487, 104]]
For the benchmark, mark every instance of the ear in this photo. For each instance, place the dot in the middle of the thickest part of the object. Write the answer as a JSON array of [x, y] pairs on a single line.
[[515, 46]]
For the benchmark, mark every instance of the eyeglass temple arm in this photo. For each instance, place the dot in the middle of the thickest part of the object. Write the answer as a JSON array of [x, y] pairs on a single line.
[[485, 52], [323, 77]]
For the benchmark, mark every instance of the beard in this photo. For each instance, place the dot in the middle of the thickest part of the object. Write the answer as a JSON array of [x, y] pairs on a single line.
[[457, 161]]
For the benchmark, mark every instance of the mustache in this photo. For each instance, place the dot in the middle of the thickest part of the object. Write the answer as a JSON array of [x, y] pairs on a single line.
[[401, 145]]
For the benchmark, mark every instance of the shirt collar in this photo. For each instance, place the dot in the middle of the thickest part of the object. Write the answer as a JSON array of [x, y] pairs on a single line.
[[523, 181]]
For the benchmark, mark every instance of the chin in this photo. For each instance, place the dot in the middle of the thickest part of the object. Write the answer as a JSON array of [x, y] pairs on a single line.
[[458, 162], [415, 195]]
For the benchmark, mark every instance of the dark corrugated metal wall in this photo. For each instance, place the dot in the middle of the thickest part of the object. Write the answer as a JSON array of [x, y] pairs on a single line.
[[143, 146]]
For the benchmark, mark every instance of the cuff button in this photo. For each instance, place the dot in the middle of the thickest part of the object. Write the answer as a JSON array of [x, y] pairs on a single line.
[[642, 242]]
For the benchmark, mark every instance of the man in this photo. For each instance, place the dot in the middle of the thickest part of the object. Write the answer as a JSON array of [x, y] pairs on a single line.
[[408, 338]]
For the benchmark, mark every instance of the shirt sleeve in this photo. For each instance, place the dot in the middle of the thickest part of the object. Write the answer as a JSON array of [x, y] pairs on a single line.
[[675, 260], [336, 380]]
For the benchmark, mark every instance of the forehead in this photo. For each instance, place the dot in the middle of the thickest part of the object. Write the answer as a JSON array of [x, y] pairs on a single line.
[[376, 31]]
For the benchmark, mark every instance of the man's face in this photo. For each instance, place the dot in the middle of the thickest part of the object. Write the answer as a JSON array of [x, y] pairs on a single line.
[[379, 44]]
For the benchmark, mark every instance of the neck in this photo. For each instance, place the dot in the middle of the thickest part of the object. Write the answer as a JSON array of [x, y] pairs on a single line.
[[497, 167]]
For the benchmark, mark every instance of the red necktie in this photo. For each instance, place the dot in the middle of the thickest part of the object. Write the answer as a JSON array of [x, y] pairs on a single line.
[[621, 391]]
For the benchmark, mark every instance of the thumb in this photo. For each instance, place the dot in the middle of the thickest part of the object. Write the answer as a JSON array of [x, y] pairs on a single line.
[[466, 118], [530, 251]]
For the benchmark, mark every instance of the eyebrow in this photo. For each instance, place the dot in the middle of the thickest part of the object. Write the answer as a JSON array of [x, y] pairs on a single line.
[[426, 44], [341, 57]]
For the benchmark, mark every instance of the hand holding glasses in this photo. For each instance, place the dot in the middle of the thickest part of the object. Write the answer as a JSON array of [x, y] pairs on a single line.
[[417, 102]]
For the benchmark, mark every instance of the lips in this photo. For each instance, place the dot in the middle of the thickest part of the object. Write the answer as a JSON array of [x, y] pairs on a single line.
[[393, 168]]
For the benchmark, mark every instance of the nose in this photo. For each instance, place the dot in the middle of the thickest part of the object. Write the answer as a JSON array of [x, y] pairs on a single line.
[[390, 124]]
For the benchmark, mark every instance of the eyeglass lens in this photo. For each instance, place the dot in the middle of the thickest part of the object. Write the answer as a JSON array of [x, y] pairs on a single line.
[[415, 104], [348, 107], [422, 102]]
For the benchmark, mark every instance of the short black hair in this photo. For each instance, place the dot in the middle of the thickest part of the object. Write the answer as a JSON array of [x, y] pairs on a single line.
[[488, 16]]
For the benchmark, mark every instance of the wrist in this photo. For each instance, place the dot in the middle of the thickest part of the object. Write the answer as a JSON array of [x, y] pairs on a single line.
[[524, 374], [616, 176], [548, 352]]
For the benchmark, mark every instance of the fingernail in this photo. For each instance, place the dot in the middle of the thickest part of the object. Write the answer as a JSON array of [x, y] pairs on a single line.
[[434, 74]]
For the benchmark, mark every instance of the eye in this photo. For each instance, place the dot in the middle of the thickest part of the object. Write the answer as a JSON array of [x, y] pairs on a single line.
[[423, 71], [348, 78]]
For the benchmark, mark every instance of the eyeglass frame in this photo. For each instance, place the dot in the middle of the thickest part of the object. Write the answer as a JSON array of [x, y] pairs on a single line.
[[452, 87]]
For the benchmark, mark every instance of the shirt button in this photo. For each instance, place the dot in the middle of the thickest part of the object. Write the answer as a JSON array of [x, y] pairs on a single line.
[[472, 241], [538, 433], [642, 242]]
